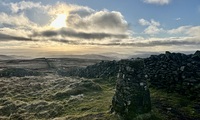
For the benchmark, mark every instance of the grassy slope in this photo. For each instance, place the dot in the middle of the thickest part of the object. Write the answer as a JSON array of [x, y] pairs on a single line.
[[30, 103], [174, 106], [165, 106], [94, 105]]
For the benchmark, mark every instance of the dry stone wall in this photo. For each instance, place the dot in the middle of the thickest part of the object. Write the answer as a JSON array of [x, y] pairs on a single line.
[[132, 96], [103, 69], [175, 72]]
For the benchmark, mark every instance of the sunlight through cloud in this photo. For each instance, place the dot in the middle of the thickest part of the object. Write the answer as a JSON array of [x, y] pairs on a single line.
[[60, 21]]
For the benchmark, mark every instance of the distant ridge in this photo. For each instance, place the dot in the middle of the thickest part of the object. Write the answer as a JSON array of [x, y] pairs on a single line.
[[13, 57], [85, 56], [6, 57]]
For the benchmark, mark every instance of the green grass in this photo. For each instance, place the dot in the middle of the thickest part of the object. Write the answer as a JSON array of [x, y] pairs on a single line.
[[93, 105], [96, 105], [172, 105]]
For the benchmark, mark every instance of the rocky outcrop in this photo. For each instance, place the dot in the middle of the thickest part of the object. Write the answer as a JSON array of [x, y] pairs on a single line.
[[132, 95]]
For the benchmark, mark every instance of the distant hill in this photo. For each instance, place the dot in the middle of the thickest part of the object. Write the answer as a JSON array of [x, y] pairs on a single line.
[[6, 57], [116, 56], [143, 55], [13, 57], [85, 56]]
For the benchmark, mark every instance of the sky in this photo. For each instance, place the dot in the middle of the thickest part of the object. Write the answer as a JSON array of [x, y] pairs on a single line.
[[47, 27]]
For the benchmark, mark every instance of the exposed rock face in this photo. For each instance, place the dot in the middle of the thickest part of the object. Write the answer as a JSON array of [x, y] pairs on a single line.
[[132, 95]]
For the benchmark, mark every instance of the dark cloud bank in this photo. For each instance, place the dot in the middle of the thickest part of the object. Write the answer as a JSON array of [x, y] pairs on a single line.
[[80, 35], [98, 36], [5, 37]]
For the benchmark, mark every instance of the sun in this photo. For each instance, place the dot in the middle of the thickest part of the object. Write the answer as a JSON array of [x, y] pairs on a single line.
[[60, 21]]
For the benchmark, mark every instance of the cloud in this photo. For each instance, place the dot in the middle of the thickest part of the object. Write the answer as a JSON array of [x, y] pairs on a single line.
[[194, 31], [81, 35], [186, 30], [85, 26], [5, 37], [153, 42], [152, 30], [144, 22], [23, 5], [62, 7], [35, 11], [158, 2], [15, 21], [169, 42], [152, 26], [103, 21], [82, 12], [155, 23], [179, 30], [177, 19], [66, 41], [70, 9], [30, 21]]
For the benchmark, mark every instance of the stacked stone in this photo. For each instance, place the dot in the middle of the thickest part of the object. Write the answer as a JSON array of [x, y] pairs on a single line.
[[132, 95], [175, 72], [103, 69], [18, 72]]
